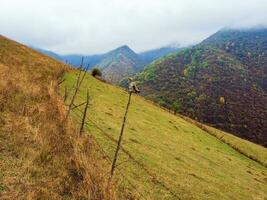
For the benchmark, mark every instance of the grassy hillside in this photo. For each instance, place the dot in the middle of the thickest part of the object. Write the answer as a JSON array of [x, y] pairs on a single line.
[[165, 156], [40, 156]]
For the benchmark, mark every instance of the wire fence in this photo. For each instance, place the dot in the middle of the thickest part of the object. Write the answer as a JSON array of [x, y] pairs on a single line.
[[78, 118], [107, 157], [152, 177], [75, 88], [89, 123]]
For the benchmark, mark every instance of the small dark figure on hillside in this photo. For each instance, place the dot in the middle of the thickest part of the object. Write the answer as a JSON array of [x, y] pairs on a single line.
[[132, 86]]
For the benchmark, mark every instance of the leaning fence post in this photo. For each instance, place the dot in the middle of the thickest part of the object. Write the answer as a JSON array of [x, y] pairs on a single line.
[[132, 89], [84, 113], [77, 87], [65, 93], [120, 139]]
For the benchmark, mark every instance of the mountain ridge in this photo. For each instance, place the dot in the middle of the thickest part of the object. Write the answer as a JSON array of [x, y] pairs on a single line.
[[154, 54], [120, 63], [117, 68]]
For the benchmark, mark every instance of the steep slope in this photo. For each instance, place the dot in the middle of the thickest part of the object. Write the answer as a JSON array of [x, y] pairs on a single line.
[[120, 63], [224, 88], [154, 54], [166, 157], [40, 156]]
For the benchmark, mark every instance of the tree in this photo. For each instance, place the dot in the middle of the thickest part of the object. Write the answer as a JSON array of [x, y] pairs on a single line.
[[96, 72], [176, 106]]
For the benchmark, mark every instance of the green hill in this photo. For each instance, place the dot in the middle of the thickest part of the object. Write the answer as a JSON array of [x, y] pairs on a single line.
[[165, 156]]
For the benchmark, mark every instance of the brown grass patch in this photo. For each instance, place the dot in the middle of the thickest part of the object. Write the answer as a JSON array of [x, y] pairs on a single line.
[[40, 157]]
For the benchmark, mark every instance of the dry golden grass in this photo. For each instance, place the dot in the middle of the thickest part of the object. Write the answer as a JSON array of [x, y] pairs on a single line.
[[40, 157]]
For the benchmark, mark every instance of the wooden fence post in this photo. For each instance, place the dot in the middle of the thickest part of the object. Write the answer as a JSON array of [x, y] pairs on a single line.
[[77, 87], [84, 113], [65, 93], [120, 139]]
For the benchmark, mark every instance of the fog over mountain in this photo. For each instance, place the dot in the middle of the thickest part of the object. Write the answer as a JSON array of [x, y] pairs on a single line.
[[96, 26]]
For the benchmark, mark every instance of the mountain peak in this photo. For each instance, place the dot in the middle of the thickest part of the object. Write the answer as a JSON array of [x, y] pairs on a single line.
[[123, 48], [120, 63]]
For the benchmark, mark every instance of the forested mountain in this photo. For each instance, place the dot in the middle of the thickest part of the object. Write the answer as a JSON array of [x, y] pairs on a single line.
[[221, 81], [120, 63], [248, 46]]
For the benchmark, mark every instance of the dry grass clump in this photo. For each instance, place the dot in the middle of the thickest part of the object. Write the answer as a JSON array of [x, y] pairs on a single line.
[[40, 156]]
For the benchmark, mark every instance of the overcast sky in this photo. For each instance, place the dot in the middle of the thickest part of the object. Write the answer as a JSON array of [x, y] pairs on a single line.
[[96, 26]]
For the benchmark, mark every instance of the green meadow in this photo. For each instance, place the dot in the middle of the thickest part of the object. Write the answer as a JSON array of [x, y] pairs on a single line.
[[164, 156]]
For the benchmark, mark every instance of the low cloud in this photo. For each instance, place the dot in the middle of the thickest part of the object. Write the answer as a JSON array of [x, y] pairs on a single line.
[[96, 26]]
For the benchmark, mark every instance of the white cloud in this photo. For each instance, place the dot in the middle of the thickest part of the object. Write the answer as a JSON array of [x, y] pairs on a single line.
[[94, 26]]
